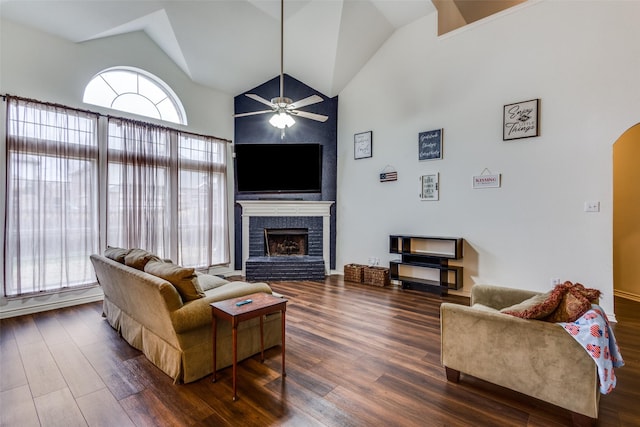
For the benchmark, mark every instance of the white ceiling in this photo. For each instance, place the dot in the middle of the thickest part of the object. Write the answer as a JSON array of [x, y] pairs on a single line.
[[234, 45]]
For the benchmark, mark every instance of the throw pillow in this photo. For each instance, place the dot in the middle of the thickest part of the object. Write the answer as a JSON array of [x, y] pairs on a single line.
[[591, 294], [573, 305], [116, 254], [138, 258], [208, 281], [182, 278], [536, 307]]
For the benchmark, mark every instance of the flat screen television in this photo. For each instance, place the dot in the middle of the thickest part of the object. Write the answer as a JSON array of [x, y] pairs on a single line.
[[278, 168]]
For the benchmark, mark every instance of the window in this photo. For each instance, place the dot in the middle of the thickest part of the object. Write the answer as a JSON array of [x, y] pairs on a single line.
[[51, 226], [135, 91], [202, 184], [158, 177], [165, 192]]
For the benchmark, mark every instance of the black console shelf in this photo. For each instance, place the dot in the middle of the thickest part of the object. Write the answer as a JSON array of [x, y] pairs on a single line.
[[424, 263]]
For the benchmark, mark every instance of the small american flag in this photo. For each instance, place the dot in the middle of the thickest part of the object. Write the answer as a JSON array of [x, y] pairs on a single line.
[[388, 176]]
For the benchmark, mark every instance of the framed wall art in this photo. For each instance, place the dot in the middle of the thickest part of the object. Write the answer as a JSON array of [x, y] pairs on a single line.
[[521, 120], [430, 145], [363, 145], [429, 186]]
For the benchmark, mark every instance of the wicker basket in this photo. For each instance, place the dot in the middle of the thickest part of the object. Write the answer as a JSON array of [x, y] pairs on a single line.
[[354, 273], [376, 276]]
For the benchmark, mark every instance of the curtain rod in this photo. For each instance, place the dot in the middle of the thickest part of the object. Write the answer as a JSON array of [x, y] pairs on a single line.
[[109, 116]]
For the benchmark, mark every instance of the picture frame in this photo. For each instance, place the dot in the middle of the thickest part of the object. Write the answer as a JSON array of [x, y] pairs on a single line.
[[521, 120], [430, 187], [430, 145], [363, 145]]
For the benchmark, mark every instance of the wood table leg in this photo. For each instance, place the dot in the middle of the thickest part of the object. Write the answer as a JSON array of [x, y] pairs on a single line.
[[214, 329], [235, 357], [284, 372], [261, 340]]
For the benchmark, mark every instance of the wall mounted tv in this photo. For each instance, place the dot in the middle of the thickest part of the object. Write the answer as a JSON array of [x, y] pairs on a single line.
[[278, 168]]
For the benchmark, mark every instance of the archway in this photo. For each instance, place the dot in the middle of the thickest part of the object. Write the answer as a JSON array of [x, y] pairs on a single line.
[[626, 214]]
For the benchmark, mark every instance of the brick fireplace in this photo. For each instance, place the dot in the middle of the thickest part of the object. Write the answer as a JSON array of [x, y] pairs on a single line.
[[285, 240]]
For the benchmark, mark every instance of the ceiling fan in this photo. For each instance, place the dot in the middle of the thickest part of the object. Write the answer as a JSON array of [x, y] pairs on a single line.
[[284, 108]]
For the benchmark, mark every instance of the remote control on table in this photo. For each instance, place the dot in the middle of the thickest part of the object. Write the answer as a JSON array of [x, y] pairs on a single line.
[[247, 301]]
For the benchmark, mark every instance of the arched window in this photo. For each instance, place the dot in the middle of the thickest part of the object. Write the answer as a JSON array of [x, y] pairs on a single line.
[[135, 91]]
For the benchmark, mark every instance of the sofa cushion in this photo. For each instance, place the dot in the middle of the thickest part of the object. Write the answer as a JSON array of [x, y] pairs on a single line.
[[116, 254], [208, 281], [138, 258], [184, 279], [536, 307]]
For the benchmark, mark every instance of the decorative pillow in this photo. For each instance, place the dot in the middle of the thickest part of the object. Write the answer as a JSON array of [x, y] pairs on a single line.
[[208, 281], [536, 307], [573, 305], [116, 254], [591, 294], [182, 278], [138, 258]]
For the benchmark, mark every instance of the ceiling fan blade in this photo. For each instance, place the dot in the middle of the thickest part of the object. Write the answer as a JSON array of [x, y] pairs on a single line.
[[313, 99], [253, 113], [261, 100], [308, 115]]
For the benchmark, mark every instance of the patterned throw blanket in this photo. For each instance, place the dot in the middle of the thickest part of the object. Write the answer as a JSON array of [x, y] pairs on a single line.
[[593, 332]]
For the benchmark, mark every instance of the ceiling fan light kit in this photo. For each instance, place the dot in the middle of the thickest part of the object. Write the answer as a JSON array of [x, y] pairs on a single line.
[[284, 108], [281, 120]]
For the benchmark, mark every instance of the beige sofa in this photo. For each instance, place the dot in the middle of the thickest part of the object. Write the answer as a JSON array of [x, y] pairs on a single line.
[[173, 332], [533, 357]]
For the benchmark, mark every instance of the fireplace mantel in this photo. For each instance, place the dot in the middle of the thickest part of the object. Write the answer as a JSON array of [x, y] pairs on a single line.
[[283, 208]]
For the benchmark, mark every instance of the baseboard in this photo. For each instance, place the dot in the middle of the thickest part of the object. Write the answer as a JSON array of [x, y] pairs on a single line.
[[626, 295], [46, 306]]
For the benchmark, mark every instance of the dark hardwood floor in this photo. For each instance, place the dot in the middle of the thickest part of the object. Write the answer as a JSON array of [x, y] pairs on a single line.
[[356, 356]]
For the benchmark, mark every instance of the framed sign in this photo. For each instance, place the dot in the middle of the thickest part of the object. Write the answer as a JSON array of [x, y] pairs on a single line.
[[486, 181], [521, 120], [362, 145], [429, 187], [430, 145]]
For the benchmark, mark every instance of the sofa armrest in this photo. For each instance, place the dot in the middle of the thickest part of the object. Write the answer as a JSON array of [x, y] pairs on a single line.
[[197, 313], [498, 297]]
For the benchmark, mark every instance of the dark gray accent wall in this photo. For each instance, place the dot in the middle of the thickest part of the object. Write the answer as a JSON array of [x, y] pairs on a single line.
[[257, 130]]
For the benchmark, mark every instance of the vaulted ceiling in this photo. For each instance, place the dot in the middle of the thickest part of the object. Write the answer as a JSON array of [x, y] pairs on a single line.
[[234, 45]]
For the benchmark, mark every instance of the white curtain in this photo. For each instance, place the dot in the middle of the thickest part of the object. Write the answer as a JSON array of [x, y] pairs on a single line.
[[138, 197], [167, 193], [51, 224], [202, 207]]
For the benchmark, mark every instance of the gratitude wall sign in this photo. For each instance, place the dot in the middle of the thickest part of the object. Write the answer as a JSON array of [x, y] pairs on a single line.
[[521, 120], [430, 145]]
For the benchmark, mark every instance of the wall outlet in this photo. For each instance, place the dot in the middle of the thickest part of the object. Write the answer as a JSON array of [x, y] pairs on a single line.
[[555, 281], [592, 206]]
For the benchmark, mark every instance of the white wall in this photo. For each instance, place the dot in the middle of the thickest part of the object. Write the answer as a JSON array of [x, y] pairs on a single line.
[[582, 59], [37, 65]]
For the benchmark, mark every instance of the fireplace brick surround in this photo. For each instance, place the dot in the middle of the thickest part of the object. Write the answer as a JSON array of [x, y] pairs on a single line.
[[258, 215]]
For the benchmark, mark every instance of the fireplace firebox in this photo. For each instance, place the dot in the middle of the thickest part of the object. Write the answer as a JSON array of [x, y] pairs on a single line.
[[286, 241]]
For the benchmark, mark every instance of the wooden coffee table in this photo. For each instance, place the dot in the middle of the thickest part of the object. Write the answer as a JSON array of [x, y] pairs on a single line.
[[261, 304]]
